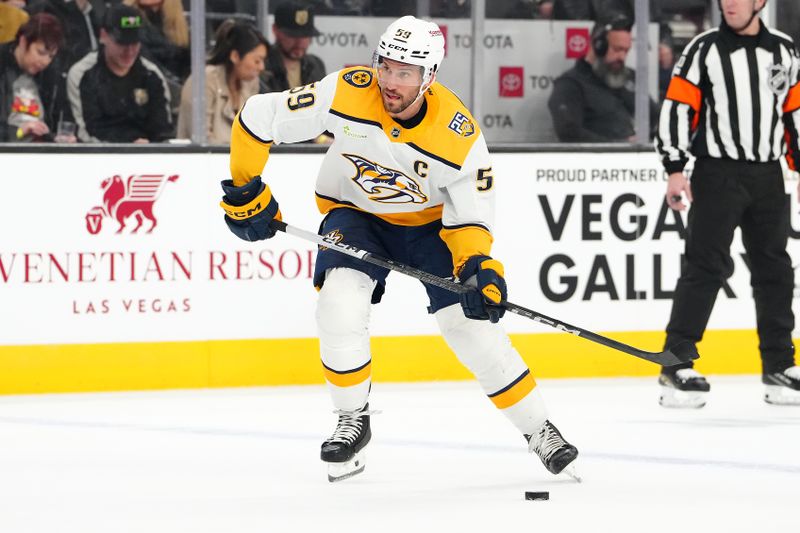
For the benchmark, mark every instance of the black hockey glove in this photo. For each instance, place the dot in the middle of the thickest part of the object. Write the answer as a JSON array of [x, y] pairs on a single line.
[[249, 209], [486, 275]]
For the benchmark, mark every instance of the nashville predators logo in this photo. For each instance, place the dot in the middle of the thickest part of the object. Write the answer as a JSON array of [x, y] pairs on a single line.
[[332, 237], [358, 78], [385, 185]]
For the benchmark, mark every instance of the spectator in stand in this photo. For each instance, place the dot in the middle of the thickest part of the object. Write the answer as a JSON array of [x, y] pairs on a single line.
[[393, 8], [289, 64], [520, 9], [340, 7], [80, 20], [116, 95], [165, 40], [594, 101], [218, 11], [452, 8], [12, 16], [601, 9], [788, 19], [26, 82], [231, 78], [626, 7], [509, 9], [695, 12], [666, 62], [574, 9]]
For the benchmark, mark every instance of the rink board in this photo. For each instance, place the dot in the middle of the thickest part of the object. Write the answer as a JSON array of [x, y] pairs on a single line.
[[86, 303], [110, 367]]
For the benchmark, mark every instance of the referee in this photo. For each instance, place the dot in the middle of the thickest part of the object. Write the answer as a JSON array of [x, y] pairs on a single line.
[[734, 104]]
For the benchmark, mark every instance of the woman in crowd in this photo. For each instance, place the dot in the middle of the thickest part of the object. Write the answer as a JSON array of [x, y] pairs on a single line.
[[27, 86], [231, 78]]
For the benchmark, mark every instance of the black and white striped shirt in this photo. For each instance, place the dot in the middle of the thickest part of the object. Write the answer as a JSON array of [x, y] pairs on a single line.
[[733, 97]]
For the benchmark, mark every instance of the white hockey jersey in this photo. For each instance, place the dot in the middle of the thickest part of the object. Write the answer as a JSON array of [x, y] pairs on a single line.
[[439, 169]]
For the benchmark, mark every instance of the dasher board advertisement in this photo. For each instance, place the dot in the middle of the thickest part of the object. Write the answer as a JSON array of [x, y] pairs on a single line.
[[133, 248]]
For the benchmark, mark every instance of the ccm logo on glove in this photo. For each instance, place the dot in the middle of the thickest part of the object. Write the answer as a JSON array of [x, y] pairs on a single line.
[[249, 209], [491, 291], [486, 275]]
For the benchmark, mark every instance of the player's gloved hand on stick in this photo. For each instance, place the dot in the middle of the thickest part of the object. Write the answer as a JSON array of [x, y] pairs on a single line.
[[486, 275], [249, 209]]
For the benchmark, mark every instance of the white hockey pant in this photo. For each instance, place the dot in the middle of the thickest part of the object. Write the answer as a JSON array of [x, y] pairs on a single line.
[[485, 349], [342, 316]]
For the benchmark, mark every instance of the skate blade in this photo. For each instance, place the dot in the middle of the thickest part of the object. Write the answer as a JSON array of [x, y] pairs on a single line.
[[779, 395], [680, 399], [346, 470], [572, 472]]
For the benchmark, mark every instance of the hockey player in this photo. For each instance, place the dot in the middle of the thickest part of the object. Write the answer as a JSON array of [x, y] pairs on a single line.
[[407, 177]]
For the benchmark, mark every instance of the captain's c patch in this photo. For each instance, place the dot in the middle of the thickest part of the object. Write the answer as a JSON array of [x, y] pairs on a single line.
[[358, 78]]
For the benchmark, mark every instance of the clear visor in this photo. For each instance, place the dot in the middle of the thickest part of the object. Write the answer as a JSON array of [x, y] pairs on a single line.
[[394, 73]]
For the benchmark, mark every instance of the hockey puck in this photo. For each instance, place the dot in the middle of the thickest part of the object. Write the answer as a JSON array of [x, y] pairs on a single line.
[[537, 495]]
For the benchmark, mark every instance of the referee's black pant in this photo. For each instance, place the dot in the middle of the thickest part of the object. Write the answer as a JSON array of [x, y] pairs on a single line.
[[727, 194]]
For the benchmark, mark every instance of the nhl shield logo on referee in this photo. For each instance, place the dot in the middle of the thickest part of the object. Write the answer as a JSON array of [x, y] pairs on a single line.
[[778, 79]]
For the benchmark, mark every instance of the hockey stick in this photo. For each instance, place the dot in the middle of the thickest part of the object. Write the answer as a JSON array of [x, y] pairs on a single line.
[[682, 353]]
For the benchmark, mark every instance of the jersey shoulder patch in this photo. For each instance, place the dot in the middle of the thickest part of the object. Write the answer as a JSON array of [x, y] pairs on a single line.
[[460, 122], [461, 125], [358, 77], [451, 137], [357, 94]]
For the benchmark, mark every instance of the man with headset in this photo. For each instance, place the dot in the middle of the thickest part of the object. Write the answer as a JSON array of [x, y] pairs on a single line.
[[594, 100]]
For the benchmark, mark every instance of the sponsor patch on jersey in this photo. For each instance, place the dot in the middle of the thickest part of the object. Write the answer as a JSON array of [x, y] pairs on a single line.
[[353, 134], [385, 185], [358, 78], [462, 125]]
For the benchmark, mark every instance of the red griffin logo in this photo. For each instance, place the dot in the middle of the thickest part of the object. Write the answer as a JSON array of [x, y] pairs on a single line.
[[122, 201]]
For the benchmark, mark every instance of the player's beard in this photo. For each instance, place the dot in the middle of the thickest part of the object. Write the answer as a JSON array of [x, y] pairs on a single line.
[[394, 106]]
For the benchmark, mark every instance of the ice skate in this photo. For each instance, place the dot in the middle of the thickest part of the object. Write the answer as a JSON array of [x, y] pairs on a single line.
[[343, 450], [684, 388], [782, 388], [556, 454]]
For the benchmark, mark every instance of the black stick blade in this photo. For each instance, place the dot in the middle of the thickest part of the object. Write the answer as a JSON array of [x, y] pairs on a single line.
[[683, 352]]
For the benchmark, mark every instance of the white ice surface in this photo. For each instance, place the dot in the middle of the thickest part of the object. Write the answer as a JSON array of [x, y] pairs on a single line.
[[441, 459]]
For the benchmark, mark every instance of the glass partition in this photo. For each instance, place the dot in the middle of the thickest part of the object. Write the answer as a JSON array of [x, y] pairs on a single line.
[[521, 66]]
